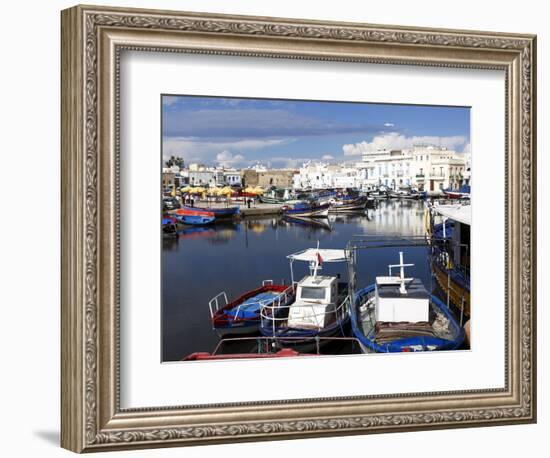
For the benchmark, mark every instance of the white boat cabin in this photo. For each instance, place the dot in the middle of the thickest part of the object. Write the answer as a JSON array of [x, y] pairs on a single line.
[[399, 299], [315, 302]]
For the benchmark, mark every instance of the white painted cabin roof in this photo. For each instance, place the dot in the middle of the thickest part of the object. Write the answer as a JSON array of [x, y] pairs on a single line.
[[328, 255]]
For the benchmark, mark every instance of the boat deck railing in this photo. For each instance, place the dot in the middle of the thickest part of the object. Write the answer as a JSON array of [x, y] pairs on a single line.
[[269, 344], [274, 314], [214, 303]]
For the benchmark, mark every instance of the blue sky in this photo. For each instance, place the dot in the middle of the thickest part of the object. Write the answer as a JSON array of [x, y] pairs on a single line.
[[236, 132]]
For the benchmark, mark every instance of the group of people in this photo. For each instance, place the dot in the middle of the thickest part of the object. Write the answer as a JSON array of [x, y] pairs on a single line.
[[187, 199]]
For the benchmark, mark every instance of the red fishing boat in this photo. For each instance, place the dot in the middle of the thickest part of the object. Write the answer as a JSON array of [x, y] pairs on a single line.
[[243, 314]]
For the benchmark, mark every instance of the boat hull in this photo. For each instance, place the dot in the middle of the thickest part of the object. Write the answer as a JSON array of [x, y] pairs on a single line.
[[320, 211], [459, 294], [304, 340], [197, 220], [217, 212]]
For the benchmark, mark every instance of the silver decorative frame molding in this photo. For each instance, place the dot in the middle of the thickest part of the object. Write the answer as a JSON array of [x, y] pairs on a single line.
[[92, 39]]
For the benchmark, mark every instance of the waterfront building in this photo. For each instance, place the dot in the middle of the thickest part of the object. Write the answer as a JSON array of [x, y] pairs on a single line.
[[232, 178], [426, 167], [201, 178], [437, 168], [168, 180], [280, 178]]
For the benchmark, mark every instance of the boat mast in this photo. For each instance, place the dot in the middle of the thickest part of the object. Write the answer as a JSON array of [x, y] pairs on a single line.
[[402, 278]]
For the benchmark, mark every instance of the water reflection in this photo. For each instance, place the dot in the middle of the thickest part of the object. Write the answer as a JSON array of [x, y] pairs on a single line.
[[236, 257]]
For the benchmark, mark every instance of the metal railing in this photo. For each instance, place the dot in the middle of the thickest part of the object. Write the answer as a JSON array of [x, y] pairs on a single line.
[[272, 344], [269, 318], [215, 302]]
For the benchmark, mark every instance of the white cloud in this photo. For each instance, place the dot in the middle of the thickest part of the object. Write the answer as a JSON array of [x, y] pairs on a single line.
[[227, 159], [394, 140], [467, 148], [195, 150], [327, 157], [389, 124]]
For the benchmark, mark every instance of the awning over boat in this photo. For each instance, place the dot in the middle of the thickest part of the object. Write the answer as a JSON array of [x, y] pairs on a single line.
[[327, 255], [456, 212]]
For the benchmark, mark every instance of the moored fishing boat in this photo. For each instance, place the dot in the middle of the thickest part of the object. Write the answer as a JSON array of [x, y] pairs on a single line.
[[448, 230], [405, 192], [303, 208], [242, 315], [462, 193], [320, 308], [276, 196], [397, 314], [381, 192], [228, 212], [321, 223], [169, 227], [351, 204], [194, 217]]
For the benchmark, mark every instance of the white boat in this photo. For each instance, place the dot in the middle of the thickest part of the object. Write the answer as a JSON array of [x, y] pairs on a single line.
[[321, 305]]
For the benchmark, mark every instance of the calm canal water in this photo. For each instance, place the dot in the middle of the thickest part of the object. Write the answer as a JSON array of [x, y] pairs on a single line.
[[236, 257]]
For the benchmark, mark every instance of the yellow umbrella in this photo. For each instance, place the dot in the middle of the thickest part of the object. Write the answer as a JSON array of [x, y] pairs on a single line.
[[226, 191], [199, 190], [186, 189], [249, 189], [214, 191], [258, 190]]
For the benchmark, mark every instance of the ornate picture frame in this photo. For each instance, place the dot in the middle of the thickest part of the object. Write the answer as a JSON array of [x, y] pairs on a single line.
[[92, 40]]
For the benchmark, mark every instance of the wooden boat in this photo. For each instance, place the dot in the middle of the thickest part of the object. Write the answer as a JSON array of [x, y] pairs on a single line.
[[450, 252], [320, 308], [310, 209], [397, 314], [404, 192], [462, 193], [219, 213], [169, 227], [321, 223], [242, 314], [352, 204], [380, 193], [276, 196], [194, 217]]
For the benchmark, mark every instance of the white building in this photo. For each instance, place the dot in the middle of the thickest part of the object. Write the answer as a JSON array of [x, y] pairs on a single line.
[[232, 177], [425, 167], [437, 168]]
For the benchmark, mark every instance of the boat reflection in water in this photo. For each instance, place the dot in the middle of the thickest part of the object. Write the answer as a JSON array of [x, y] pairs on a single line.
[[238, 256]]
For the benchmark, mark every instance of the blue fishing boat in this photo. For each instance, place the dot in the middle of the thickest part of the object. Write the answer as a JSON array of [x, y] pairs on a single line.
[[228, 212], [397, 314], [306, 208], [320, 307]]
